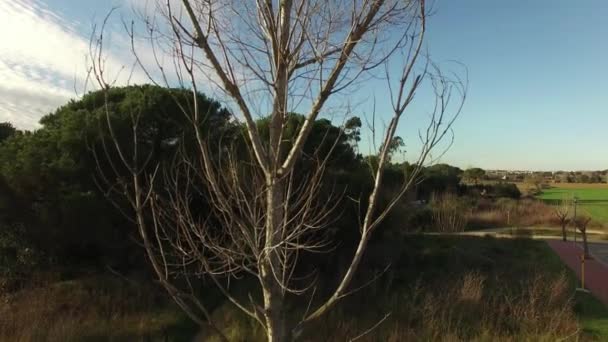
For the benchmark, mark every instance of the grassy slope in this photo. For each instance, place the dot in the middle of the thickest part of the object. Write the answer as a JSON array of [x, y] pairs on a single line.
[[424, 292], [593, 316], [519, 259], [593, 201], [93, 308]]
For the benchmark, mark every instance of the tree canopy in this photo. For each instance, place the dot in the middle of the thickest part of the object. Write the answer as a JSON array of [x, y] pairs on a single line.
[[474, 174], [52, 174], [52, 179]]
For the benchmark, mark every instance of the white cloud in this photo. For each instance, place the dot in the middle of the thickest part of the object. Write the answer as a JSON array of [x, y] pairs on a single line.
[[43, 55], [43, 60]]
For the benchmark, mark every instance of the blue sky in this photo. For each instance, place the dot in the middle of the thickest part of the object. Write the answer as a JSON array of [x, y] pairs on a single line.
[[537, 74], [538, 71]]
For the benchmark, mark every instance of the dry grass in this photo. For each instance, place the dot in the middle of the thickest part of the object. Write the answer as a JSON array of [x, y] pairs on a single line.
[[580, 185], [92, 309], [451, 289], [448, 213], [512, 213], [464, 310], [439, 289]]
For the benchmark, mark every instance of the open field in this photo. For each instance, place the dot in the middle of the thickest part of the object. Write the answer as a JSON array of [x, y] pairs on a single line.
[[593, 201], [581, 185], [526, 187]]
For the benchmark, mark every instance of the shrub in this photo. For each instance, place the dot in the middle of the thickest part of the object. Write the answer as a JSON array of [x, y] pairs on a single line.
[[18, 258], [98, 308], [448, 213], [420, 218], [508, 190], [506, 212], [497, 190]]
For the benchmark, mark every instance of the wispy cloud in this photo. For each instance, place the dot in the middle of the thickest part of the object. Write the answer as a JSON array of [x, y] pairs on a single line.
[[44, 55], [43, 61]]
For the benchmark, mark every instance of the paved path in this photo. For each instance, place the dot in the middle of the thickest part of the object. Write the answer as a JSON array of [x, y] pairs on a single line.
[[596, 271], [507, 232], [599, 252]]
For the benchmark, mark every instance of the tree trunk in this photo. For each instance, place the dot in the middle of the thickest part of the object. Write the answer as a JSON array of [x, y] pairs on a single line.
[[563, 231], [274, 315], [271, 266]]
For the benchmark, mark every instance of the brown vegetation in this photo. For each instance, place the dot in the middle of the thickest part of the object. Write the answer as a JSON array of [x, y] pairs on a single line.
[[448, 213], [414, 300], [96, 308], [511, 213], [506, 213], [464, 310], [583, 185]]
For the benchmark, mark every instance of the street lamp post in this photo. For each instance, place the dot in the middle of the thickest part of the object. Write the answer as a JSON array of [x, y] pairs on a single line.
[[574, 218]]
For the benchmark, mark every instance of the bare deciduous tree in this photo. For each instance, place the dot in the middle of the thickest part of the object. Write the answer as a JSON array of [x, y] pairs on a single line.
[[536, 180], [581, 223], [269, 57], [562, 212]]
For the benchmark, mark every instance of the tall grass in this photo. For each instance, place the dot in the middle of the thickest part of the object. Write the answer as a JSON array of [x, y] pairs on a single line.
[[448, 289], [439, 288], [506, 212], [448, 213], [465, 310], [92, 309], [512, 213]]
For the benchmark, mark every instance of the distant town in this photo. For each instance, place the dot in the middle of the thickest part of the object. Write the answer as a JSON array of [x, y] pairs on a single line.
[[549, 176]]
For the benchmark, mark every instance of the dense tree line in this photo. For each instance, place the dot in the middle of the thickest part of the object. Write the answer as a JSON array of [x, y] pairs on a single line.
[[55, 182]]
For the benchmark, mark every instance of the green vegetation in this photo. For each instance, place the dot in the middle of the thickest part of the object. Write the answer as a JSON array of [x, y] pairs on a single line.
[[474, 175], [57, 210], [593, 315], [59, 236], [592, 201]]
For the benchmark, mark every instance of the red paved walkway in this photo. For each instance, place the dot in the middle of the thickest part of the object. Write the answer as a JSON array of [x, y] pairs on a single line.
[[596, 274]]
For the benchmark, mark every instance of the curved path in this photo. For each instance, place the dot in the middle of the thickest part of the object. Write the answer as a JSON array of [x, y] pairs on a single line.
[[596, 270], [542, 233]]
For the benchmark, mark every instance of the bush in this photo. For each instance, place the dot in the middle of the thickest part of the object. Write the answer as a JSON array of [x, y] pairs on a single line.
[[506, 212], [420, 219], [18, 257], [449, 213], [497, 190], [508, 190]]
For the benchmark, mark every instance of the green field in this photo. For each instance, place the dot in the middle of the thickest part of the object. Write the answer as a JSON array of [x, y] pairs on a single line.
[[592, 201]]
